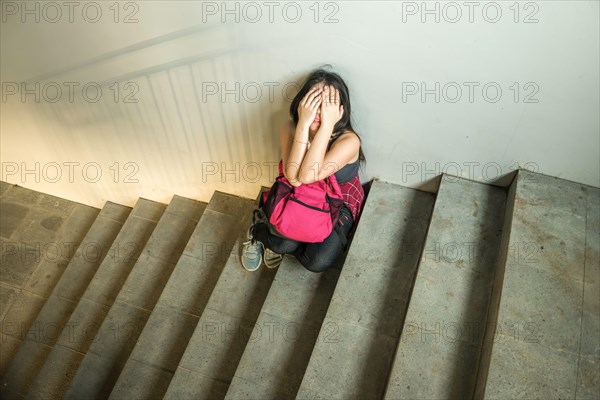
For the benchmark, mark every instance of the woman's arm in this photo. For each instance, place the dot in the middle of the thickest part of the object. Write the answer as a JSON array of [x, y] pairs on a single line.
[[319, 163], [292, 150], [342, 151], [295, 141]]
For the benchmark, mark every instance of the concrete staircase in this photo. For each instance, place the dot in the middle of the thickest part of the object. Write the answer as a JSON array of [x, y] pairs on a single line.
[[474, 292]]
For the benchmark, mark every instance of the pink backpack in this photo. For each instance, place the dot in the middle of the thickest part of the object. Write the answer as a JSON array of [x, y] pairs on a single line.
[[306, 213]]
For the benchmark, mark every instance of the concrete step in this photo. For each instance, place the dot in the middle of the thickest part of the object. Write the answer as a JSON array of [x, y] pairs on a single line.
[[438, 354], [39, 236], [122, 326], [504, 304], [354, 348], [83, 324], [216, 346], [45, 330], [279, 347], [154, 359], [546, 341]]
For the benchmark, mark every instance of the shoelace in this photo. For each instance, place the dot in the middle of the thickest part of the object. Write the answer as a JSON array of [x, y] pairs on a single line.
[[251, 240], [252, 248]]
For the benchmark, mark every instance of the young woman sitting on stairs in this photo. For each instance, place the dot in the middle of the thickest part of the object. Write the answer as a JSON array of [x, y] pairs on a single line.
[[319, 137]]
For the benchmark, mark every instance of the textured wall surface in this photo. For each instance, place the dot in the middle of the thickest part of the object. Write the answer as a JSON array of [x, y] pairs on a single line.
[[115, 101]]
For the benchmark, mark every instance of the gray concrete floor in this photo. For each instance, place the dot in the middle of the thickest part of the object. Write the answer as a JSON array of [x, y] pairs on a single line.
[[39, 235], [532, 270]]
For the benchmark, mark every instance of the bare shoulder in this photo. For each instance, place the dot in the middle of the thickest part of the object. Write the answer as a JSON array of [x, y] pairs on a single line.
[[349, 135], [349, 143], [347, 139]]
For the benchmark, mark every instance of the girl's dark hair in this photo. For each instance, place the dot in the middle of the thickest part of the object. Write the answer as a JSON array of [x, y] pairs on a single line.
[[321, 75]]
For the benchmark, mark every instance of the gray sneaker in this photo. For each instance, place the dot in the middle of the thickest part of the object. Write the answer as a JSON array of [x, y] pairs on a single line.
[[272, 259], [252, 252]]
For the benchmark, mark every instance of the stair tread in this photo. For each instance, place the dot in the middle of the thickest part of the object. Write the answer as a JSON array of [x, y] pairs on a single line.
[[407, 316], [285, 332], [438, 353], [56, 257], [547, 334], [39, 239], [64, 296], [220, 337], [183, 298], [92, 250], [136, 299], [354, 347], [79, 332]]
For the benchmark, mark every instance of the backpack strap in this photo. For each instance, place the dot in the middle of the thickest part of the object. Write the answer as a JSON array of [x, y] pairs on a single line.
[[334, 185]]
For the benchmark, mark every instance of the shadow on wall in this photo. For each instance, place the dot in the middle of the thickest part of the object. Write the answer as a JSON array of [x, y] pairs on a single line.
[[156, 118]]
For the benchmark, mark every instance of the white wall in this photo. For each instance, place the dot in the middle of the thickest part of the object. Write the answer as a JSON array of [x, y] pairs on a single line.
[[179, 133]]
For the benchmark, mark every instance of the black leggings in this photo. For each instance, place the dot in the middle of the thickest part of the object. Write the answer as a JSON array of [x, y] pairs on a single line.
[[316, 257]]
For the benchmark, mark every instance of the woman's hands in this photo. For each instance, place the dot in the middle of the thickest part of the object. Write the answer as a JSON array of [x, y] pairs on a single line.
[[331, 110], [319, 110], [327, 100], [307, 109]]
